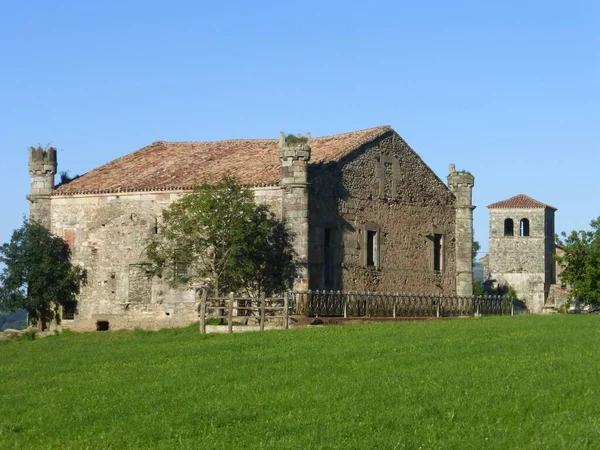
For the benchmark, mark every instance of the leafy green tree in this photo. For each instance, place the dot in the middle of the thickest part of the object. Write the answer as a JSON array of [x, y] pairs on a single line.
[[476, 248], [38, 275], [218, 236], [581, 262]]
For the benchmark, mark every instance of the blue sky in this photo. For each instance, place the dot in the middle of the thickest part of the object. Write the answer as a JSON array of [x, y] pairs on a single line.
[[508, 90]]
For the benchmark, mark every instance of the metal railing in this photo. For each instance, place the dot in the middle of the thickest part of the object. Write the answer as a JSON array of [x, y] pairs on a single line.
[[377, 304]]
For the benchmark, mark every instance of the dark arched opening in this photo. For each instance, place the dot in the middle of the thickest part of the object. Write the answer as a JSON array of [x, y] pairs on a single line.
[[509, 227], [524, 227]]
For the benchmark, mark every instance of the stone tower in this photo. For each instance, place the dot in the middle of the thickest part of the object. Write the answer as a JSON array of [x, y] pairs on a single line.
[[294, 158], [42, 168], [461, 184], [522, 248]]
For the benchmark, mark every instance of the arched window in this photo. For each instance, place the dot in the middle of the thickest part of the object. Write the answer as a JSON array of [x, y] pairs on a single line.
[[509, 227], [524, 227]]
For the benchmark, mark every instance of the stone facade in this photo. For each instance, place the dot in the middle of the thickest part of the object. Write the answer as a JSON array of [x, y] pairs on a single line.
[[522, 248], [373, 218]]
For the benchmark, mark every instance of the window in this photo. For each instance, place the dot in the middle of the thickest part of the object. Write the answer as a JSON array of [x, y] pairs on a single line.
[[524, 227], [509, 227], [69, 309], [328, 258], [181, 264], [438, 259], [371, 247]]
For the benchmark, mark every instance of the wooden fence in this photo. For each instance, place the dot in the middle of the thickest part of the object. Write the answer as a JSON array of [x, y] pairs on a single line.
[[377, 304], [243, 308]]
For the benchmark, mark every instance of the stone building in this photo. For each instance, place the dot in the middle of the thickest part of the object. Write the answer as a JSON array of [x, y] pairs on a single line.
[[522, 250], [368, 215]]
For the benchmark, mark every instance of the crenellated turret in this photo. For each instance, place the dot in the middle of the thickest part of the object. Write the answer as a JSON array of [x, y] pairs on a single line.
[[461, 184], [294, 153], [42, 168]]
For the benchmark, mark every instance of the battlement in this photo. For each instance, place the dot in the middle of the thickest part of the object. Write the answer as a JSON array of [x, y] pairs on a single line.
[[297, 147], [41, 161], [461, 178]]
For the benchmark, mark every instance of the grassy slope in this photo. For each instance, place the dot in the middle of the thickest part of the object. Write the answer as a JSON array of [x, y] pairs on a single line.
[[504, 382]]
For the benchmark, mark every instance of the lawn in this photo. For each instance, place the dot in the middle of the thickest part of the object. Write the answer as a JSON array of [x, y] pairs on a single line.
[[493, 382]]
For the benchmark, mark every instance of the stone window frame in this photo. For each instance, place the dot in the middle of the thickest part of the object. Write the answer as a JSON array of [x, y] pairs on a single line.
[[524, 227], [181, 265], [328, 255], [68, 310], [367, 228], [509, 227], [433, 237]]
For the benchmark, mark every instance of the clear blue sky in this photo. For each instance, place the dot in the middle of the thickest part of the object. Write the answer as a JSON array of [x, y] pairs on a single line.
[[508, 90]]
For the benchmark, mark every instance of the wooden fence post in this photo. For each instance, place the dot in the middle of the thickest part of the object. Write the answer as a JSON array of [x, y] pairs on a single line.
[[286, 311], [230, 312], [512, 307], [203, 311], [437, 312], [262, 311]]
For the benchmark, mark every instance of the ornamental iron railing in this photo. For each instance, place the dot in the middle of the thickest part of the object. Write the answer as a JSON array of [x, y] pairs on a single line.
[[377, 304]]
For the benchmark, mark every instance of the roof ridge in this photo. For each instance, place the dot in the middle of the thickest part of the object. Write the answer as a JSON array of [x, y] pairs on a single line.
[[175, 165], [382, 127], [520, 201]]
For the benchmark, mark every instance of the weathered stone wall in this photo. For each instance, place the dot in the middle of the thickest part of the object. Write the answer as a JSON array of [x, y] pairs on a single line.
[[524, 262], [108, 234], [385, 189]]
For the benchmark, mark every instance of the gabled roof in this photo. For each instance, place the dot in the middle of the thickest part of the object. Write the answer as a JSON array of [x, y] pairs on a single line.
[[519, 201], [181, 165]]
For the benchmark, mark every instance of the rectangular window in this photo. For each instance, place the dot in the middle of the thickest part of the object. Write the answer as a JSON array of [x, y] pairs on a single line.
[[438, 259], [69, 309], [181, 264], [328, 256], [371, 247]]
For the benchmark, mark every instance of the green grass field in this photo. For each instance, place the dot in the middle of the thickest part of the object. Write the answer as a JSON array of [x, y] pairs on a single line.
[[497, 382]]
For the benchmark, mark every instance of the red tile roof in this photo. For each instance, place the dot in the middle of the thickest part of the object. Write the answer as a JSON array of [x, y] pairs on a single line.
[[181, 165], [519, 201]]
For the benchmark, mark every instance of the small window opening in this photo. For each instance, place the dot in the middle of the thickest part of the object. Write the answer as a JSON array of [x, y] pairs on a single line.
[[69, 309], [328, 255], [371, 247], [509, 227], [155, 228], [437, 252], [181, 264], [102, 325], [524, 227]]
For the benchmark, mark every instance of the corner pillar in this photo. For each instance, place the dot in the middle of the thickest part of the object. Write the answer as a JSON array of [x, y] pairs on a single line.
[[461, 184], [42, 168], [294, 155]]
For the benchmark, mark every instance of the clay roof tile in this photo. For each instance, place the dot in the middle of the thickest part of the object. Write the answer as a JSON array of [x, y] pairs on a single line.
[[519, 201], [182, 165]]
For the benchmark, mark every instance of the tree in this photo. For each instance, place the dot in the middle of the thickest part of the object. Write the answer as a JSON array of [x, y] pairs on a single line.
[[38, 275], [581, 262], [218, 236], [476, 248]]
